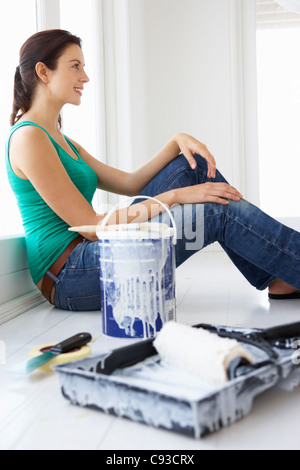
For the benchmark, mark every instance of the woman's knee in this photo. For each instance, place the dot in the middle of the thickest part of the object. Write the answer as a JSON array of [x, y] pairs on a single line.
[[179, 173], [201, 162], [183, 163]]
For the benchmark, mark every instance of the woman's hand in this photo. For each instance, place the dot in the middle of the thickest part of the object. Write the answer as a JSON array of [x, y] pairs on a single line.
[[189, 146], [207, 192]]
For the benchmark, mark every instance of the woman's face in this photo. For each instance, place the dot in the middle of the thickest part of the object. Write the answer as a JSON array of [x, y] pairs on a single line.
[[66, 82]]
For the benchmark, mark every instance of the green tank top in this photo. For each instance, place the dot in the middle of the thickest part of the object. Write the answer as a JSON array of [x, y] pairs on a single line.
[[46, 234]]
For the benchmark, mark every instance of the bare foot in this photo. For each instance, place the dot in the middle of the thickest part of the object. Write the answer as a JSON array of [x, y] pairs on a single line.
[[280, 287]]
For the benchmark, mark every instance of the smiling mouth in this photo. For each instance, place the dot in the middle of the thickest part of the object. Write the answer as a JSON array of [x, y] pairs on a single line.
[[79, 91]]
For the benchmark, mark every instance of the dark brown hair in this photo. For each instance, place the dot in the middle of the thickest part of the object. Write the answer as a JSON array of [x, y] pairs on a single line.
[[46, 47]]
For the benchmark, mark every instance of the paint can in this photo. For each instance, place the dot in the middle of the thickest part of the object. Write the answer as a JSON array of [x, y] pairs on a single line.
[[137, 277]]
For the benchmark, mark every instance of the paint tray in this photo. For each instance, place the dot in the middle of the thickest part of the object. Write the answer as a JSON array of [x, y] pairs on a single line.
[[132, 382]]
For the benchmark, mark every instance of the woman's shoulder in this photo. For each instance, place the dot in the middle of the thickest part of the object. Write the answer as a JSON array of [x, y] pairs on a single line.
[[28, 134], [26, 142], [24, 147]]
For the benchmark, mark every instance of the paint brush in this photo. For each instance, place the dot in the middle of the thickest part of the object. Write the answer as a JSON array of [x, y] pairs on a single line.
[[65, 346]]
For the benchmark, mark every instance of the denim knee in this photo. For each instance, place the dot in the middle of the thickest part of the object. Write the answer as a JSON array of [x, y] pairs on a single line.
[[179, 174]]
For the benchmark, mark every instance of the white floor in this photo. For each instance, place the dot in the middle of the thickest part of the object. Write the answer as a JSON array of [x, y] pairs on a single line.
[[34, 415]]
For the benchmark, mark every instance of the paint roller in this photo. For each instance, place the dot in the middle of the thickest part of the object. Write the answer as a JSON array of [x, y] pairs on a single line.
[[188, 350], [199, 353], [210, 353]]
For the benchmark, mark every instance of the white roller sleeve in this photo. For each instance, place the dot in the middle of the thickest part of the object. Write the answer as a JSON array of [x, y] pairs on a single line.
[[197, 352]]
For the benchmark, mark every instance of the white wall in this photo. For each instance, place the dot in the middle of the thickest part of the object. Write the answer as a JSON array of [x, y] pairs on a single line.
[[185, 72], [187, 75]]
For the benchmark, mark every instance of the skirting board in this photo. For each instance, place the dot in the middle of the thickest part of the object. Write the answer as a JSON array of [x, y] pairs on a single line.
[[22, 304]]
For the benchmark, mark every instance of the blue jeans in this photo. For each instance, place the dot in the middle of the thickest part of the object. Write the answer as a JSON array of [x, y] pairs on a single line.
[[259, 246]]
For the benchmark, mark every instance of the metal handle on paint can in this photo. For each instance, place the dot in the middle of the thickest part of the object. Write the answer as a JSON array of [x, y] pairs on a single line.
[[117, 206]]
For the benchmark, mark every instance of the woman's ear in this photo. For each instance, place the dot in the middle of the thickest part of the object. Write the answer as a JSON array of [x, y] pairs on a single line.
[[42, 72]]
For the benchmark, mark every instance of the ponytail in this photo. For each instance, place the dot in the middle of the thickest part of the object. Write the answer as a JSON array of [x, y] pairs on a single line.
[[22, 100]]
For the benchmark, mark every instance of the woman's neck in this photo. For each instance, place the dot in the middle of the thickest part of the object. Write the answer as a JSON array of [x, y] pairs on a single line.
[[45, 114]]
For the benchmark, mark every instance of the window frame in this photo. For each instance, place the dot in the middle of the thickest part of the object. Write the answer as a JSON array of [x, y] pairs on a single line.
[[17, 290]]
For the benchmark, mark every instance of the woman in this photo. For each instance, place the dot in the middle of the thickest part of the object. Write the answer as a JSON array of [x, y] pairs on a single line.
[[54, 180]]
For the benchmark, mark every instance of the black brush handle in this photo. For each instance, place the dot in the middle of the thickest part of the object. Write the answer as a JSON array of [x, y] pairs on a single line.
[[74, 342]]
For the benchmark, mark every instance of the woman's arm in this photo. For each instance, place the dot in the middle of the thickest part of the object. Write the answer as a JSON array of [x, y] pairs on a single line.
[[109, 179], [179, 143], [33, 157], [131, 184]]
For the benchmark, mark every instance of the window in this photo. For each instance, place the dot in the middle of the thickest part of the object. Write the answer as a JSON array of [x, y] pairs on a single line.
[[79, 122], [278, 69], [13, 32]]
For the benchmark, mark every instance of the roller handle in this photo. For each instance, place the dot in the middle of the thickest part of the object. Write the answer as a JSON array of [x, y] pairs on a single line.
[[81, 339], [126, 357]]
